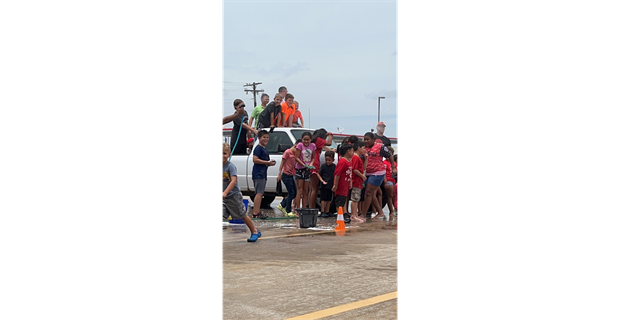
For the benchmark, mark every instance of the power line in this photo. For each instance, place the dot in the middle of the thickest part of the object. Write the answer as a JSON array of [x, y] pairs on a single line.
[[253, 90]]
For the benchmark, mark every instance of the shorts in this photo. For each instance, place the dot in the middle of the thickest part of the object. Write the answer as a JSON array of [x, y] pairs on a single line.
[[326, 194], [259, 185], [233, 206], [356, 194], [302, 174], [376, 180], [390, 183], [340, 201]]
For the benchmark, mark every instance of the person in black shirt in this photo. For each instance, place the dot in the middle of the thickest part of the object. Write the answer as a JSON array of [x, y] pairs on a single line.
[[379, 135], [326, 176], [238, 140], [271, 114]]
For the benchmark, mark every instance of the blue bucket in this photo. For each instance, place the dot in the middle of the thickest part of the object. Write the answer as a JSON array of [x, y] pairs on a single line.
[[239, 221]]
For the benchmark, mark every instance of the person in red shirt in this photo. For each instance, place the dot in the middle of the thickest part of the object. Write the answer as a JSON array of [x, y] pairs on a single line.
[[375, 170], [358, 180], [389, 183], [319, 139], [342, 178]]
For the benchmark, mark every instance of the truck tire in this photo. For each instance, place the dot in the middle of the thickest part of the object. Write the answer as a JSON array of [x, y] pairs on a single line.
[[266, 202]]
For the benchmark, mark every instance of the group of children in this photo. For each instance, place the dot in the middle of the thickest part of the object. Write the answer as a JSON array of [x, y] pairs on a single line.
[[277, 113], [341, 183], [357, 180], [360, 167]]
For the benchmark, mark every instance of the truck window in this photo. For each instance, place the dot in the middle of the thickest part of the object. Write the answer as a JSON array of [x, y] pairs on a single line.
[[276, 138], [297, 133]]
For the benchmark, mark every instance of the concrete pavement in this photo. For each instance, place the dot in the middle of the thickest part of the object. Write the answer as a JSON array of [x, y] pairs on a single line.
[[290, 272]]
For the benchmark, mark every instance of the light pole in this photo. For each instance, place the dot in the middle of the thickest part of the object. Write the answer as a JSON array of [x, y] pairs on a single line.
[[379, 109]]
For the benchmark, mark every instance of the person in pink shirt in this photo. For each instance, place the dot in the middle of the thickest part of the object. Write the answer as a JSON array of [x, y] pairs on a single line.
[[287, 176], [304, 156]]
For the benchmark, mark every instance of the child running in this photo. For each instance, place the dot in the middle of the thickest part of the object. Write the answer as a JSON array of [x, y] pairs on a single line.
[[303, 156], [342, 178], [287, 175], [233, 200], [326, 176], [359, 167]]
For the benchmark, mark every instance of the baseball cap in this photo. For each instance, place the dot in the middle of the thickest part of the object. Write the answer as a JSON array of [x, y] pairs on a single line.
[[381, 124]]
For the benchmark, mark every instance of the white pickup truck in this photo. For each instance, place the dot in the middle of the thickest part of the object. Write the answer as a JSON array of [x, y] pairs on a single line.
[[279, 140]]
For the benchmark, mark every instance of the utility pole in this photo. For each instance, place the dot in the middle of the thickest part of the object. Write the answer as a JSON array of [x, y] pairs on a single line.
[[379, 109], [253, 90]]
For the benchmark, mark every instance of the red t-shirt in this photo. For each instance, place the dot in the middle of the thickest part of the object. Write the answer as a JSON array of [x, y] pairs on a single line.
[[388, 170], [357, 164], [344, 170], [375, 159], [320, 142]]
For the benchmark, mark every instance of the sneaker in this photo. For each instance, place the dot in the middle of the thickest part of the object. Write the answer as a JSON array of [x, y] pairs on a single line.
[[260, 215], [282, 209], [290, 214], [255, 236], [324, 215], [347, 218]]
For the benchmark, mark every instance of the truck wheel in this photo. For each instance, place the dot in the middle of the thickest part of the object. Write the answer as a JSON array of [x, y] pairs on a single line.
[[266, 202]]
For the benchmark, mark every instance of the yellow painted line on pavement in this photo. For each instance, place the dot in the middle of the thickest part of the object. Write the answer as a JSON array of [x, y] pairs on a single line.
[[346, 307], [288, 235]]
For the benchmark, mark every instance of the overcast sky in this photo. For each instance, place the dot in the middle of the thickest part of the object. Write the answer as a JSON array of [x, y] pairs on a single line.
[[335, 57]]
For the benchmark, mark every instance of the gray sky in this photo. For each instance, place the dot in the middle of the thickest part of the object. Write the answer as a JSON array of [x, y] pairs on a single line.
[[336, 58]]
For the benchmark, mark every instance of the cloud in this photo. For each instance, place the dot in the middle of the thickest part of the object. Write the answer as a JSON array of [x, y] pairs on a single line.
[[284, 70]]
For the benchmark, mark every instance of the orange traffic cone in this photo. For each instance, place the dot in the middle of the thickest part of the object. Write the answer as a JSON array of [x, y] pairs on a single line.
[[340, 229]]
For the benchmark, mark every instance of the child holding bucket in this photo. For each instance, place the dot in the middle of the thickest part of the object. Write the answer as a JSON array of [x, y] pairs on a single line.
[[304, 155], [232, 199]]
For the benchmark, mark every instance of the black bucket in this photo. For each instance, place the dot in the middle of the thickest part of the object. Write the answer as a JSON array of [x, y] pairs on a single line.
[[308, 217]]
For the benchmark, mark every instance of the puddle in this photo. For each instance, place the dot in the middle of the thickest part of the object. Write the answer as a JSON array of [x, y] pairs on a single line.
[[330, 228]]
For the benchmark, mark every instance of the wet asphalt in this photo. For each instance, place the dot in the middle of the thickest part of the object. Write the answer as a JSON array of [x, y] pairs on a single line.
[[292, 271]]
